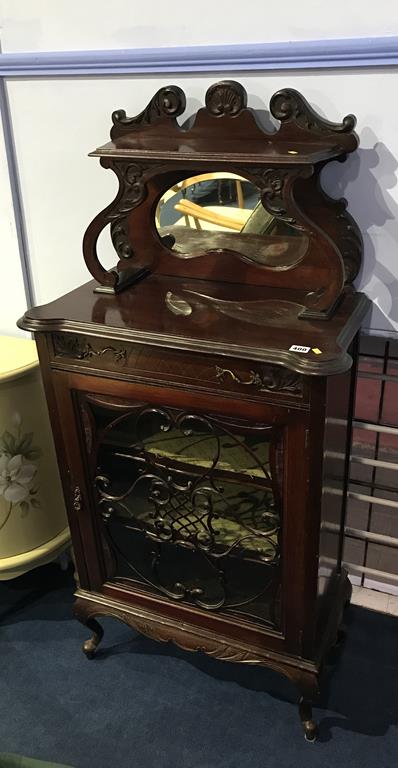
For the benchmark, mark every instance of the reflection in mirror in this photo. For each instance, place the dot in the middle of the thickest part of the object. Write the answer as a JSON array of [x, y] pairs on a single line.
[[223, 211], [211, 201]]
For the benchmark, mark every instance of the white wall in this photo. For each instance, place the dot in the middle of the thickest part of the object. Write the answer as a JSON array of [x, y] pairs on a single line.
[[63, 189], [53, 25], [12, 293], [57, 121]]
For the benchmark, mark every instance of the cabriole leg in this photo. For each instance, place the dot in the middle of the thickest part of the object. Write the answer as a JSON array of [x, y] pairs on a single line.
[[89, 646], [309, 724], [308, 686]]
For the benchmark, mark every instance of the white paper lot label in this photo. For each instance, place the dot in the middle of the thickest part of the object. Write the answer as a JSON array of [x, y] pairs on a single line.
[[297, 348]]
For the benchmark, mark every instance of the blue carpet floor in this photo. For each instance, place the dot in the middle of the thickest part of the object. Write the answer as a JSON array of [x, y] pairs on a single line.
[[141, 704]]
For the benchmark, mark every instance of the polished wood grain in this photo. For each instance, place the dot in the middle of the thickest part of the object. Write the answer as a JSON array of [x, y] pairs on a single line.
[[312, 601], [255, 323], [244, 379], [207, 335]]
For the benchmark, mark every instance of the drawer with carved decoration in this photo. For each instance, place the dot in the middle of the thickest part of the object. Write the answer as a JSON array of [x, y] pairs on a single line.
[[145, 363]]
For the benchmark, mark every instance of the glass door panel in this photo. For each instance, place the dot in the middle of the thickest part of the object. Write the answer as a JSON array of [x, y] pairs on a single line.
[[190, 504]]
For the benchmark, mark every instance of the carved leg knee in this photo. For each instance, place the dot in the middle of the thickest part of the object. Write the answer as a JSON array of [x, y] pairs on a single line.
[[89, 646], [309, 724], [307, 684]]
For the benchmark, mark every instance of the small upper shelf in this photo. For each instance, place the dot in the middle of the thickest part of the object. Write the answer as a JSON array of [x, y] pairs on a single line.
[[227, 151], [303, 136]]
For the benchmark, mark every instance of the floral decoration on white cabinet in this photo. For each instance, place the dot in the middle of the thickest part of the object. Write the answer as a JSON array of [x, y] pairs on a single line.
[[18, 470]]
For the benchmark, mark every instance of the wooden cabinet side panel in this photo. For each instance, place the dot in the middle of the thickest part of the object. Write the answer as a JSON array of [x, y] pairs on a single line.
[[336, 452], [298, 544], [59, 424], [77, 491]]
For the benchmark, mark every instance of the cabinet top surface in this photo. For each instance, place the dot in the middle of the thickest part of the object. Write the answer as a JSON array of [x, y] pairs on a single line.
[[214, 318]]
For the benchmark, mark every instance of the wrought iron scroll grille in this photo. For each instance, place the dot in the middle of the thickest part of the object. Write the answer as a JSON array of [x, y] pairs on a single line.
[[204, 488]]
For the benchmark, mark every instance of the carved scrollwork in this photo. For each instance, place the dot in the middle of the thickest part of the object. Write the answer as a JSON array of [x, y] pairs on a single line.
[[277, 196], [120, 240], [185, 638], [189, 641], [337, 223], [294, 195], [272, 185], [269, 380], [226, 98], [147, 147], [351, 246], [132, 193], [350, 238], [80, 349], [167, 102], [133, 188], [303, 674], [289, 105]]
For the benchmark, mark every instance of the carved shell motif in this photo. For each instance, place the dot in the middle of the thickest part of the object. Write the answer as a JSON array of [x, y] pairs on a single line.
[[226, 98]]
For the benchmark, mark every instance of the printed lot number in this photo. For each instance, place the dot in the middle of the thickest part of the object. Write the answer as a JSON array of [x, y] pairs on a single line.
[[298, 348]]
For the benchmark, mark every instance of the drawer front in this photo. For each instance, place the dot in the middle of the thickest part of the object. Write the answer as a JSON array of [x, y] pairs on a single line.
[[157, 365]]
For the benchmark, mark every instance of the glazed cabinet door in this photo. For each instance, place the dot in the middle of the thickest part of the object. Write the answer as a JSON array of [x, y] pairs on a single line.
[[193, 502]]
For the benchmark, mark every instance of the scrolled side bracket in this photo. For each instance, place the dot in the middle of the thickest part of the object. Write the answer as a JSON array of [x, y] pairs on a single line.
[[131, 192], [278, 196]]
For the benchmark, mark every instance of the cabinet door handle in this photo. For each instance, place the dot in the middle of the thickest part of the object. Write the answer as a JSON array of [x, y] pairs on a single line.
[[77, 499]]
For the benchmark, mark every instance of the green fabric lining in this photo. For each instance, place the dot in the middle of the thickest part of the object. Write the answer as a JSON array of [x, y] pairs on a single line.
[[238, 507], [200, 450]]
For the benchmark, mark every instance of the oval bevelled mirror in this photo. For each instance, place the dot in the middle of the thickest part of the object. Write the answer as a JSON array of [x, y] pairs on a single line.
[[223, 211]]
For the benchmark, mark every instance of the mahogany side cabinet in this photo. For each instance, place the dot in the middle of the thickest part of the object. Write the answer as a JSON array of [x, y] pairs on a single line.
[[201, 392]]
